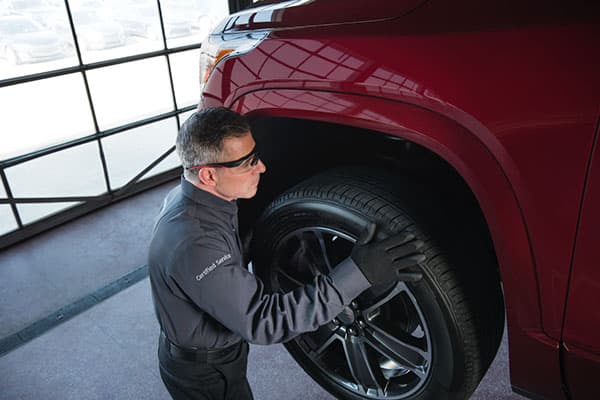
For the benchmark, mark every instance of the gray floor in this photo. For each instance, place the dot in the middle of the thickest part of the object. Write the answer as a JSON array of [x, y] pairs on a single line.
[[108, 351]]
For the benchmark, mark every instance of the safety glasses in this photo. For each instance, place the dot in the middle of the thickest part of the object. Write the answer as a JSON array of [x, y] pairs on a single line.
[[246, 162]]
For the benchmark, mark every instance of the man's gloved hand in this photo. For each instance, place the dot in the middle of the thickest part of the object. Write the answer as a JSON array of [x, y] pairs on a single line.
[[389, 259]]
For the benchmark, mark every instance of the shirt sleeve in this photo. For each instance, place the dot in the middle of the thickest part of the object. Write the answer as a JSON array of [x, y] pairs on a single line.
[[218, 284]]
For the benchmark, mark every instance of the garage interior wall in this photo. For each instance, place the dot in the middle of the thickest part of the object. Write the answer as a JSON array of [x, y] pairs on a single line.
[[92, 94]]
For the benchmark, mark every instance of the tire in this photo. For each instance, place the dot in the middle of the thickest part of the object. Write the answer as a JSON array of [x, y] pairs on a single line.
[[432, 339]]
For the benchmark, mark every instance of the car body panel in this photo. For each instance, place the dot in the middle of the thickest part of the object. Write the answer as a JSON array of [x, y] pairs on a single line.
[[97, 31], [38, 10], [34, 43], [582, 321], [533, 349], [101, 35], [508, 95], [141, 18], [582, 371], [94, 30], [298, 13]]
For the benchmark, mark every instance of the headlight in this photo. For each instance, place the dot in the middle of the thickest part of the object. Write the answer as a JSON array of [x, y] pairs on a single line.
[[217, 47]]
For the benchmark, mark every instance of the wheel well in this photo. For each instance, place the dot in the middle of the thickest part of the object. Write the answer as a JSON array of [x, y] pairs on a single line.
[[295, 149]]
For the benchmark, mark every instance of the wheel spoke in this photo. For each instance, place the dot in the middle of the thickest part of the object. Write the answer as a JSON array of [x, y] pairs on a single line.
[[360, 366], [322, 339], [399, 288], [308, 258], [324, 251], [385, 350], [401, 352], [288, 277], [317, 338]]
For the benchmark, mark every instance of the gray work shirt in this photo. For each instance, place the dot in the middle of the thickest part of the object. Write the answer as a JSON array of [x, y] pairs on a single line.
[[205, 297]]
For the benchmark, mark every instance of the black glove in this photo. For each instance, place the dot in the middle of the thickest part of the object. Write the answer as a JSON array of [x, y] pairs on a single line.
[[388, 260]]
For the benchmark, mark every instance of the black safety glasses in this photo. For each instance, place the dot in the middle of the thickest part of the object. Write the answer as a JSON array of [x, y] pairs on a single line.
[[252, 159]]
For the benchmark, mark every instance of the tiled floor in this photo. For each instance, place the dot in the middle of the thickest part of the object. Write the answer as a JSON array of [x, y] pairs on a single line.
[[58, 267], [109, 351]]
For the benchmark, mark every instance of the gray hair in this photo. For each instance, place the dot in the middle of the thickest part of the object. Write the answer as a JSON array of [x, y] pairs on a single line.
[[200, 139]]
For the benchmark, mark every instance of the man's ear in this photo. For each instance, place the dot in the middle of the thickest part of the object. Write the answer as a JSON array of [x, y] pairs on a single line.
[[207, 176]]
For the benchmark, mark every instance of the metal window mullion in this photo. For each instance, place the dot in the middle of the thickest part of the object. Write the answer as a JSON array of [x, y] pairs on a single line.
[[52, 221], [10, 198], [90, 138], [153, 164], [133, 186], [168, 61], [72, 25], [89, 96], [97, 129], [174, 97], [40, 200], [162, 26], [95, 65], [97, 134]]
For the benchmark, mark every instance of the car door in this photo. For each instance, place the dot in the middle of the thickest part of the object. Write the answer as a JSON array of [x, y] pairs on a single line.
[[581, 334]]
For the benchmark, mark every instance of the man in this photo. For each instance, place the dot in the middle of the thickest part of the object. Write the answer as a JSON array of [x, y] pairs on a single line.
[[208, 305]]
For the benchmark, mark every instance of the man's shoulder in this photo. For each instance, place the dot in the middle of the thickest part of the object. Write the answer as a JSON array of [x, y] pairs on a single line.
[[186, 231], [176, 210], [178, 206], [199, 250], [184, 226], [183, 240]]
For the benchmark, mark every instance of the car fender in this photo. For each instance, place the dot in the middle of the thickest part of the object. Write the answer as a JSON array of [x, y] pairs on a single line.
[[486, 168]]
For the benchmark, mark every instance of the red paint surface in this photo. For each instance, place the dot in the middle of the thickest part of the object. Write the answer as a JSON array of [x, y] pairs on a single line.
[[508, 94]]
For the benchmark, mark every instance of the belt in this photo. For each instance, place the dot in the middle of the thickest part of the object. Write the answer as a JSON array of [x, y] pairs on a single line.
[[204, 356]]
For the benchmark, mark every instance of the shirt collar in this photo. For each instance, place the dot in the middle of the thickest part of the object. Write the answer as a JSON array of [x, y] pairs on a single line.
[[205, 198]]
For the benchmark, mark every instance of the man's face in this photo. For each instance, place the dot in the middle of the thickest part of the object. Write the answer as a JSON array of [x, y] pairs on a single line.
[[240, 182]]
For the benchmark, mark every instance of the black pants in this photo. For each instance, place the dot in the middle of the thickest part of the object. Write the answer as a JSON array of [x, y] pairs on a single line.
[[224, 379]]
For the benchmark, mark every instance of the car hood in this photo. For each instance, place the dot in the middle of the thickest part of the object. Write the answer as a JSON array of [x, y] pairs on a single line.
[[105, 28], [299, 13], [177, 18], [42, 38]]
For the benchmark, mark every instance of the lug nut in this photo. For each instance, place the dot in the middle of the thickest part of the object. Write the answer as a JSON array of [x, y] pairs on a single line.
[[351, 331]]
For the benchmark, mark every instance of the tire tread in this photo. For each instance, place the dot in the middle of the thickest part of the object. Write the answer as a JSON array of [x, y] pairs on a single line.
[[380, 197]]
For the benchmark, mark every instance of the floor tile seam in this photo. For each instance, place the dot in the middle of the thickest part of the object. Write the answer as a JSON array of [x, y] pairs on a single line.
[[121, 345], [65, 313], [45, 274], [110, 335]]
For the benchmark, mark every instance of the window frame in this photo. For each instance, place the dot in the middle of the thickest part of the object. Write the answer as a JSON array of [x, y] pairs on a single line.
[[134, 185]]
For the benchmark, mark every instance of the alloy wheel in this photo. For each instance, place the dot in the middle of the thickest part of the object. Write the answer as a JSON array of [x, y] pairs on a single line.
[[379, 346]]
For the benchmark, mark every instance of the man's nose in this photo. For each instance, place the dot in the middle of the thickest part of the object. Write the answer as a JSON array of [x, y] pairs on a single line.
[[261, 167]]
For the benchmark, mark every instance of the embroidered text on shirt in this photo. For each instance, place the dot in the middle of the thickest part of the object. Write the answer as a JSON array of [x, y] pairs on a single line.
[[211, 267]]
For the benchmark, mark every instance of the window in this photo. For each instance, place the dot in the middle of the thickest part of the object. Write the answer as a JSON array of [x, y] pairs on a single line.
[[92, 93]]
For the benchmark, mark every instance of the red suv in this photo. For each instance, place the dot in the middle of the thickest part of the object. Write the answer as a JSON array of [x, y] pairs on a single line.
[[471, 124]]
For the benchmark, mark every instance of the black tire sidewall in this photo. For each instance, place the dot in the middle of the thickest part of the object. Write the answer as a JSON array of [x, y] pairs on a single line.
[[447, 356]]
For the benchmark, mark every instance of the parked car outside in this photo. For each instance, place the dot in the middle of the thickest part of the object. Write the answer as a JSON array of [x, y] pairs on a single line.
[[94, 30], [201, 14], [472, 125], [140, 18], [38, 10], [97, 5], [22, 40]]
